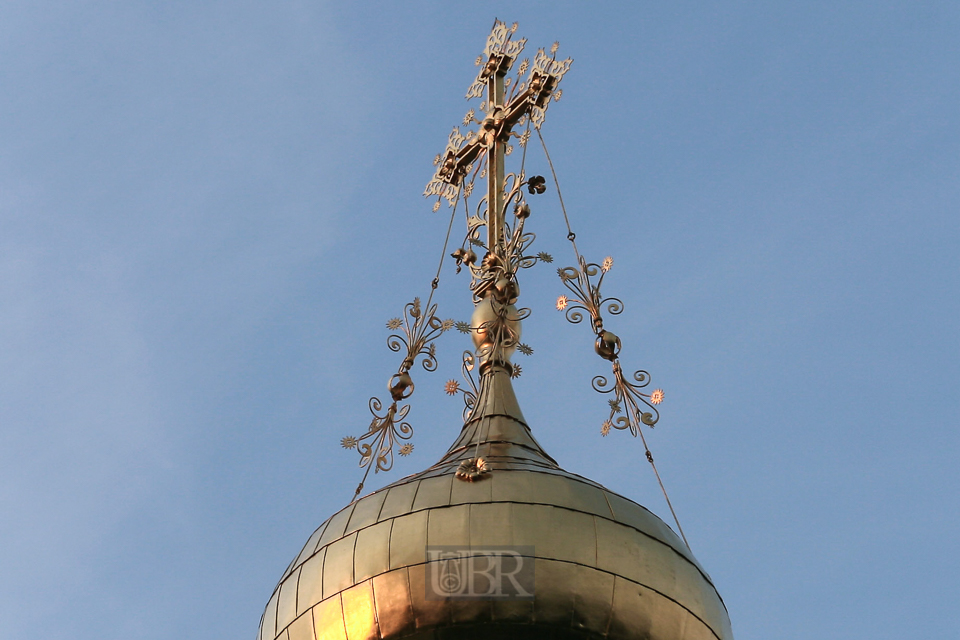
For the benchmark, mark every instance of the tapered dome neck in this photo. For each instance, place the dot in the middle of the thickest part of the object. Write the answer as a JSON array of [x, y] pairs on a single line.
[[496, 429]]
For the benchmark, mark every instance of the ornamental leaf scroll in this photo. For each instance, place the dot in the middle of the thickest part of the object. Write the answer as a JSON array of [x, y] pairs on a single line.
[[416, 331], [630, 407]]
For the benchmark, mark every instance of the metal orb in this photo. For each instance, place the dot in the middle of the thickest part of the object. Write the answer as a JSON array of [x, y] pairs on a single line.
[[497, 328]]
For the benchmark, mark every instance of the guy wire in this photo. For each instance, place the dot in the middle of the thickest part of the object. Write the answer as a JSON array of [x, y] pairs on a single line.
[[443, 252], [433, 287], [572, 237], [662, 488]]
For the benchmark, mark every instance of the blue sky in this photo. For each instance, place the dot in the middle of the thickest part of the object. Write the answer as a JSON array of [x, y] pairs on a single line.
[[209, 210]]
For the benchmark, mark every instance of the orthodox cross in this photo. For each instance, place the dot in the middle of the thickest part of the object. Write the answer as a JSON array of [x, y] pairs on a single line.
[[509, 102]]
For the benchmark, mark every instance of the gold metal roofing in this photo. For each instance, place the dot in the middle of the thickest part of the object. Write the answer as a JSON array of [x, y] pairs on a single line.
[[605, 566]]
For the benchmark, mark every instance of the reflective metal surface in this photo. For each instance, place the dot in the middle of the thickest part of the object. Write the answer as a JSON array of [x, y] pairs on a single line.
[[605, 566]]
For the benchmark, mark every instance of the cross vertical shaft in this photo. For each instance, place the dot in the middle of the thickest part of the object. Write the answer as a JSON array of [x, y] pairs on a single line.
[[495, 159]]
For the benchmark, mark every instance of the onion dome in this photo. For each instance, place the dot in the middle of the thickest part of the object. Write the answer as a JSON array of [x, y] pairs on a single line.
[[495, 539], [602, 565]]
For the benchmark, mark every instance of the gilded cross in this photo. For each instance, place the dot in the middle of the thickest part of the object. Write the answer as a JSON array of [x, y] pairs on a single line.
[[508, 102]]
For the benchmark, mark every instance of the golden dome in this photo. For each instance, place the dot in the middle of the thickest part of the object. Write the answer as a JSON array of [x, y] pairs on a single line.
[[604, 566]]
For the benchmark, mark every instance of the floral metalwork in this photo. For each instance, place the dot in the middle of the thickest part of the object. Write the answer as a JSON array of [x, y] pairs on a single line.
[[631, 406], [447, 188], [523, 97], [472, 470], [588, 297], [512, 97], [452, 387], [499, 268], [385, 430], [545, 69], [500, 49], [627, 409], [418, 328]]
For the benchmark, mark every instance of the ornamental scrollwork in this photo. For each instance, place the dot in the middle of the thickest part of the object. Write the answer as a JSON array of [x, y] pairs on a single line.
[[546, 70], [500, 48], [384, 432], [452, 387], [419, 329], [445, 188], [630, 407], [499, 268], [627, 401], [416, 331], [588, 297], [526, 95]]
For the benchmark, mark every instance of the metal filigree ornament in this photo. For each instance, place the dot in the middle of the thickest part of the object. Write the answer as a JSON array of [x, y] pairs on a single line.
[[472, 470], [630, 406], [636, 406], [496, 246], [419, 328], [452, 387], [481, 151], [478, 151], [497, 272], [626, 398], [509, 101], [500, 52]]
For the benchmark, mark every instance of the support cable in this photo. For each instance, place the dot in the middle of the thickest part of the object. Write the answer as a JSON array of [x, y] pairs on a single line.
[[433, 287], [572, 237]]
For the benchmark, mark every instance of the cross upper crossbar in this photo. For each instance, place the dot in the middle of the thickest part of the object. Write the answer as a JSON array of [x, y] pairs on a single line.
[[529, 97], [497, 126]]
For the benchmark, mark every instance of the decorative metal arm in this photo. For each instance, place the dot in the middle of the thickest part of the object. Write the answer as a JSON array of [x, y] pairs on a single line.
[[577, 280], [637, 407], [377, 443], [452, 387], [419, 329], [628, 399], [500, 266]]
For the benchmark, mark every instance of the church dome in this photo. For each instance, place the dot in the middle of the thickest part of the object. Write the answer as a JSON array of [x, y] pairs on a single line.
[[496, 540], [603, 566]]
